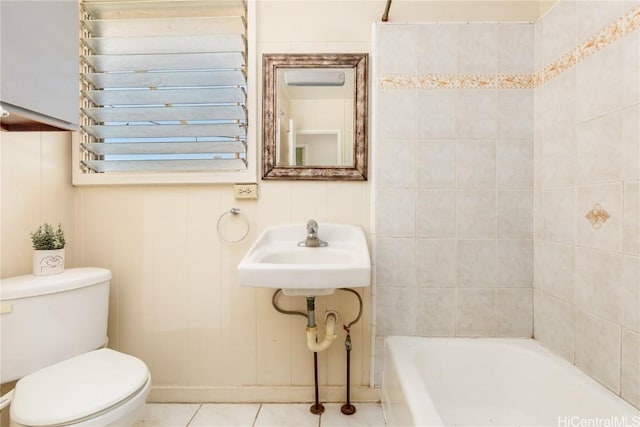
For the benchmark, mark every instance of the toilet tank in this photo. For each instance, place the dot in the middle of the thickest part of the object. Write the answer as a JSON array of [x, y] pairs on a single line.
[[47, 319]]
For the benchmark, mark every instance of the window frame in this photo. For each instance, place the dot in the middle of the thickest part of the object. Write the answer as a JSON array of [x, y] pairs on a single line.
[[249, 175]]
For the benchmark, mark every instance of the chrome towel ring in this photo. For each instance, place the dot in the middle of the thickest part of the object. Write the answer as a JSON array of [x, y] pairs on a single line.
[[234, 212]]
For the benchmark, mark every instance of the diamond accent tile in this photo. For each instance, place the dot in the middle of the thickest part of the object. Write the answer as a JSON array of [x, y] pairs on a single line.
[[597, 216]]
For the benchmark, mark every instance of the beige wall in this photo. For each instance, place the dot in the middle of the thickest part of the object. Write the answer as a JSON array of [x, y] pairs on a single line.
[[175, 301], [36, 188]]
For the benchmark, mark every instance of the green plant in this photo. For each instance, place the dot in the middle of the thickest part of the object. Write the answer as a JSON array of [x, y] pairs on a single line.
[[46, 238]]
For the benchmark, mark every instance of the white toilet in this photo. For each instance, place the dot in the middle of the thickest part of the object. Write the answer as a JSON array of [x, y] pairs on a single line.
[[53, 331]]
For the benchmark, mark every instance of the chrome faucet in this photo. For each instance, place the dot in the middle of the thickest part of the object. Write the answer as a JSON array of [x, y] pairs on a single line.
[[312, 240]]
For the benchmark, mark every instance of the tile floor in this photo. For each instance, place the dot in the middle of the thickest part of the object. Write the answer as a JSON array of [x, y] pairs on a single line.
[[258, 415]]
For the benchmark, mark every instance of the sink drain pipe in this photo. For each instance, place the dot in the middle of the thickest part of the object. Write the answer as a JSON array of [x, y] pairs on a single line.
[[331, 317], [312, 343], [348, 408], [317, 407]]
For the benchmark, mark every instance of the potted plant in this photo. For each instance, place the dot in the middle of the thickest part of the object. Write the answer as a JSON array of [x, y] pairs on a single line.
[[48, 254]]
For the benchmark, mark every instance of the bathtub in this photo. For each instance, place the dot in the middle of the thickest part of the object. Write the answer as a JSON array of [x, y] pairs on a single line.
[[492, 381]]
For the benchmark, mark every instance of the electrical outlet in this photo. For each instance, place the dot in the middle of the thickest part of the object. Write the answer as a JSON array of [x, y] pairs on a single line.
[[245, 191]]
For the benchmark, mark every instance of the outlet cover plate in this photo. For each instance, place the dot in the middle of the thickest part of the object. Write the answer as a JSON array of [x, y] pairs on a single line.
[[245, 191]]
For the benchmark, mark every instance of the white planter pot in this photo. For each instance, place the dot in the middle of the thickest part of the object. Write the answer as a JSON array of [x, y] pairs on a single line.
[[48, 262]]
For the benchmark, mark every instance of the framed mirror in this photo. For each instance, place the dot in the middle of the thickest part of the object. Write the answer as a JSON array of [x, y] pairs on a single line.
[[314, 116]]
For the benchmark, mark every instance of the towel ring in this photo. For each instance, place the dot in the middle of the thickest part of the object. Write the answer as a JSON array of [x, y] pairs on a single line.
[[234, 212]]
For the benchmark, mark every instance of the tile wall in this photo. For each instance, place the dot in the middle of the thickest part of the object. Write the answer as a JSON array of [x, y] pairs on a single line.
[[453, 180], [587, 171], [504, 154]]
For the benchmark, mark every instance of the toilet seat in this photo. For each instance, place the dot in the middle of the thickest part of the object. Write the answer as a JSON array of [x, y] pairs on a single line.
[[78, 388]]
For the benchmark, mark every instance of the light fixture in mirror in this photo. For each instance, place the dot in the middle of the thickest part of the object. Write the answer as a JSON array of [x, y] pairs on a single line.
[[315, 116]]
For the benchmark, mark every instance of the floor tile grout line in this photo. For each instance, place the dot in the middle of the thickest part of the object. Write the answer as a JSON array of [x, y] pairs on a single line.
[[255, 419], [265, 418], [214, 417], [194, 415]]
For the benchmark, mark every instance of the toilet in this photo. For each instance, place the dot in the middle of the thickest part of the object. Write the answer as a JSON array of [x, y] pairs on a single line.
[[53, 341]]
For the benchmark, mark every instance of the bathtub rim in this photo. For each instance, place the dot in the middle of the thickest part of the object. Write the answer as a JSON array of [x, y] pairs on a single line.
[[406, 372], [403, 348]]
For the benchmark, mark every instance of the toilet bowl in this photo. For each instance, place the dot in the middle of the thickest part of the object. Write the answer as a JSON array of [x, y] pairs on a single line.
[[99, 388], [53, 330]]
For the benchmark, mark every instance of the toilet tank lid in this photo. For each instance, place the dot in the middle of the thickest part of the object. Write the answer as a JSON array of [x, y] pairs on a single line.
[[71, 278]]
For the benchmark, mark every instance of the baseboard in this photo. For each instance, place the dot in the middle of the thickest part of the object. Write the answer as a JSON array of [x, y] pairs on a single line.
[[261, 394]]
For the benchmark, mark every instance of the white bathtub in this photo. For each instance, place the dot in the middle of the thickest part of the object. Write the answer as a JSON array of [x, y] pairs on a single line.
[[492, 381]]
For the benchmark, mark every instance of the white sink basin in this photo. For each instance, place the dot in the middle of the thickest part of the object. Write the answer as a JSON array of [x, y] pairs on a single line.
[[276, 261]]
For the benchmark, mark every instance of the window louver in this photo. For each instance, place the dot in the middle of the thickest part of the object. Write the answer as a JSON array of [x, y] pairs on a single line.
[[164, 86]]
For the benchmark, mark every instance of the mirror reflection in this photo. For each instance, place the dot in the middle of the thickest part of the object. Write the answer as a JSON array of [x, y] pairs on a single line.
[[315, 116]]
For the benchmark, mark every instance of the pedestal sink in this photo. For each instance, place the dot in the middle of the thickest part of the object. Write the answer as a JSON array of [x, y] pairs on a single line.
[[276, 261]]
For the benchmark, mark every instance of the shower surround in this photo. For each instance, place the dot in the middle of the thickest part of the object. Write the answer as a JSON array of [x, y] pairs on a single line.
[[587, 238], [497, 144], [453, 180]]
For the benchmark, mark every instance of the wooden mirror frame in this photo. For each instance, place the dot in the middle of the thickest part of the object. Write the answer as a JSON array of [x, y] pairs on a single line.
[[270, 65]]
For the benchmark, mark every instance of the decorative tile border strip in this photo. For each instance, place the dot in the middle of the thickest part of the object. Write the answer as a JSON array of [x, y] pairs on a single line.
[[624, 25], [449, 81], [621, 27], [597, 216]]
